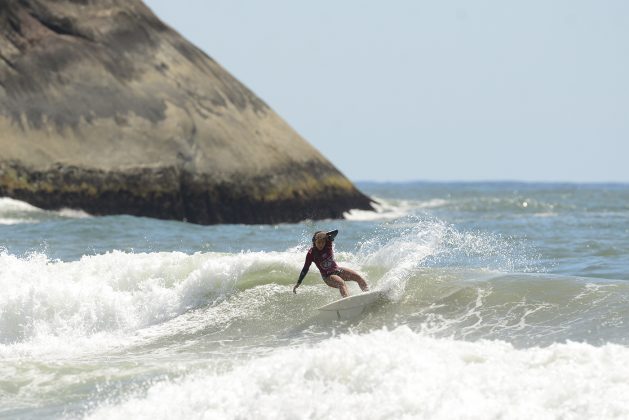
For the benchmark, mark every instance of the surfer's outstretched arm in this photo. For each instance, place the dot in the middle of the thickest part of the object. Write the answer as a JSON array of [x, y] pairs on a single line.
[[301, 278], [304, 271]]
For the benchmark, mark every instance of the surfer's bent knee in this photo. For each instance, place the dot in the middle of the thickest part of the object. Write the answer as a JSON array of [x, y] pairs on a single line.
[[334, 280]]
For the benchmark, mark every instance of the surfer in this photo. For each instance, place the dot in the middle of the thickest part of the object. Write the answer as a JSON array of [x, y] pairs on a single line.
[[322, 254]]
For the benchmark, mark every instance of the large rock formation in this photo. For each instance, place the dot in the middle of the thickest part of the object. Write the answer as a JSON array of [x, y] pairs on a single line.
[[105, 108]]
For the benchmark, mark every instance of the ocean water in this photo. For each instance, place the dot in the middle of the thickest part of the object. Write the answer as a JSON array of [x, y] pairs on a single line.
[[502, 300]]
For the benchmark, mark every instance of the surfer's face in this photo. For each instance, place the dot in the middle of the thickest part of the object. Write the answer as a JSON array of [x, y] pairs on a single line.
[[320, 240]]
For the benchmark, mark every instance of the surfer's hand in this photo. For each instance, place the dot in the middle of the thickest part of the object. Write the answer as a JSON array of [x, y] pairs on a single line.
[[295, 289]]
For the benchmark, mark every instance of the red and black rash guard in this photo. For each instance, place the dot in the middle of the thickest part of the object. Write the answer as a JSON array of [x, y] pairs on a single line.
[[324, 259]]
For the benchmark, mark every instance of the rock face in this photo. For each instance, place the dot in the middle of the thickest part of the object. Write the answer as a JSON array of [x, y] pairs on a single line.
[[105, 108]]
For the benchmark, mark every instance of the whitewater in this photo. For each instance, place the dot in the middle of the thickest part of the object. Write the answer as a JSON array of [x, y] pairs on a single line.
[[501, 300]]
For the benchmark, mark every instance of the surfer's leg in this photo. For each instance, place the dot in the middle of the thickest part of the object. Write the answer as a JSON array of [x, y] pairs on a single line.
[[350, 275], [338, 283]]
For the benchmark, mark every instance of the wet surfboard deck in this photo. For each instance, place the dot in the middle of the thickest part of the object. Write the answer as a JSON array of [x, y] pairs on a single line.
[[350, 306]]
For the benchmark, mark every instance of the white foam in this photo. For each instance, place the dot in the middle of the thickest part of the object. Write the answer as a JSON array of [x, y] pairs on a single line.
[[11, 205], [53, 307], [397, 374], [14, 221], [73, 213], [546, 214], [14, 212], [432, 203]]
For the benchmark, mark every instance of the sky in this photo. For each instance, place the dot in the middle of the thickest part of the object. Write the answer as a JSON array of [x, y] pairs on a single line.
[[441, 90]]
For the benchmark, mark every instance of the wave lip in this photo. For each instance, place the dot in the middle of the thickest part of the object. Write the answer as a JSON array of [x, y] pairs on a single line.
[[113, 294], [49, 306]]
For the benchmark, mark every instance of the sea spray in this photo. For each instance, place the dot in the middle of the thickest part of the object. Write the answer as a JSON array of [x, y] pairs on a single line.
[[404, 246]]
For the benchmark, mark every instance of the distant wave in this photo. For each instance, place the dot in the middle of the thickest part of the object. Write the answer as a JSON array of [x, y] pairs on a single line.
[[392, 209], [14, 212], [520, 203], [387, 209], [383, 210]]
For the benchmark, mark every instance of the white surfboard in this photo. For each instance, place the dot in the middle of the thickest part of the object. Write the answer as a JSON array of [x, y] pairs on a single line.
[[350, 306]]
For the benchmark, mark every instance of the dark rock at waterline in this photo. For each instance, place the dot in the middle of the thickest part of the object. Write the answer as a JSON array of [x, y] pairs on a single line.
[[105, 108]]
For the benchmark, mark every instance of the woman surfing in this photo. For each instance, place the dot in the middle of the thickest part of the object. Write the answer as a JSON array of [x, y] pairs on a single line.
[[322, 254]]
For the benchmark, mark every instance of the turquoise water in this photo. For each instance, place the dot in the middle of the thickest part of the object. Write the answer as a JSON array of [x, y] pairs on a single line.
[[502, 300]]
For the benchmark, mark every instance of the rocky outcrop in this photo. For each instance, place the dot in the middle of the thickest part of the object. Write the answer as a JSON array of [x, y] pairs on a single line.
[[105, 108]]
